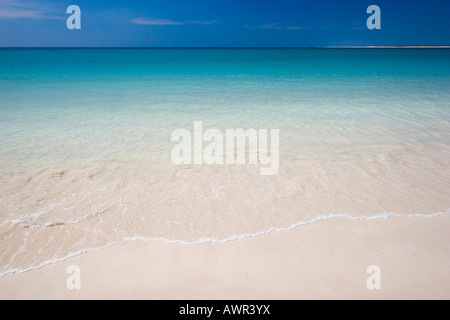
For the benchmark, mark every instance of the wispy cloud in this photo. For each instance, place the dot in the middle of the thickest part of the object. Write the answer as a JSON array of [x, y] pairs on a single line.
[[276, 25], [271, 26], [296, 28], [168, 22], [155, 22], [6, 13], [205, 23], [20, 10]]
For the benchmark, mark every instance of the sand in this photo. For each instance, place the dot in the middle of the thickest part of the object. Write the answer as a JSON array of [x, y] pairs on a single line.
[[323, 260]]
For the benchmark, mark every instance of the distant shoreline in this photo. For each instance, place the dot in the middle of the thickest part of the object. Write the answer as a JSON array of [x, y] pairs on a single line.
[[392, 47]]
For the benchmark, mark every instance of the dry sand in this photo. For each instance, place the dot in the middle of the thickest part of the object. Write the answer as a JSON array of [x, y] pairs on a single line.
[[324, 260]]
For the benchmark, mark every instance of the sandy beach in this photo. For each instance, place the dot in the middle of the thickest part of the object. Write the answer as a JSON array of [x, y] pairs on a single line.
[[323, 260], [106, 165]]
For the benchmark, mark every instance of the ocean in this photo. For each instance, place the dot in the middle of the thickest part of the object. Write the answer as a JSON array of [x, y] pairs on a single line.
[[85, 143]]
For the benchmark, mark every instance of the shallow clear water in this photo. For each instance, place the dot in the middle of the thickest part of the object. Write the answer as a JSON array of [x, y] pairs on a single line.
[[85, 142]]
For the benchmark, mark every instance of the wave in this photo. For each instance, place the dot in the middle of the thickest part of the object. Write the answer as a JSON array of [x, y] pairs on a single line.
[[385, 215]]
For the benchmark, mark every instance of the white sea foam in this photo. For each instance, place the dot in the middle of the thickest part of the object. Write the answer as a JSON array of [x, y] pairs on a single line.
[[384, 215]]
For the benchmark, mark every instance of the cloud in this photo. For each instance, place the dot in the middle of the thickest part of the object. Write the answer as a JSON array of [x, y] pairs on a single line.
[[167, 22], [277, 26], [205, 23], [271, 26], [155, 22], [7, 13], [19, 10]]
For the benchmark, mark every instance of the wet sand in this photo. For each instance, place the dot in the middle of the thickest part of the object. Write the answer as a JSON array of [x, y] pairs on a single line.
[[323, 260]]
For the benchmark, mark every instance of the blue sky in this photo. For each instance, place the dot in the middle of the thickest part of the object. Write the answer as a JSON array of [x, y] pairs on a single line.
[[223, 23]]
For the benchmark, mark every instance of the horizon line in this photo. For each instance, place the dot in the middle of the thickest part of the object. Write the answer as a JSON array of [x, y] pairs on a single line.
[[244, 47]]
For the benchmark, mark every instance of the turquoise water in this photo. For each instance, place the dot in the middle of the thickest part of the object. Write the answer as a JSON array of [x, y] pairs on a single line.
[[121, 96], [85, 142]]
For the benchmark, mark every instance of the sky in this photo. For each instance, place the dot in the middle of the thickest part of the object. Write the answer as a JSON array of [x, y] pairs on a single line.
[[223, 23]]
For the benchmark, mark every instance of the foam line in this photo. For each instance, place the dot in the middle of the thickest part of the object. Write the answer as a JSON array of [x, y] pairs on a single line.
[[385, 215]]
